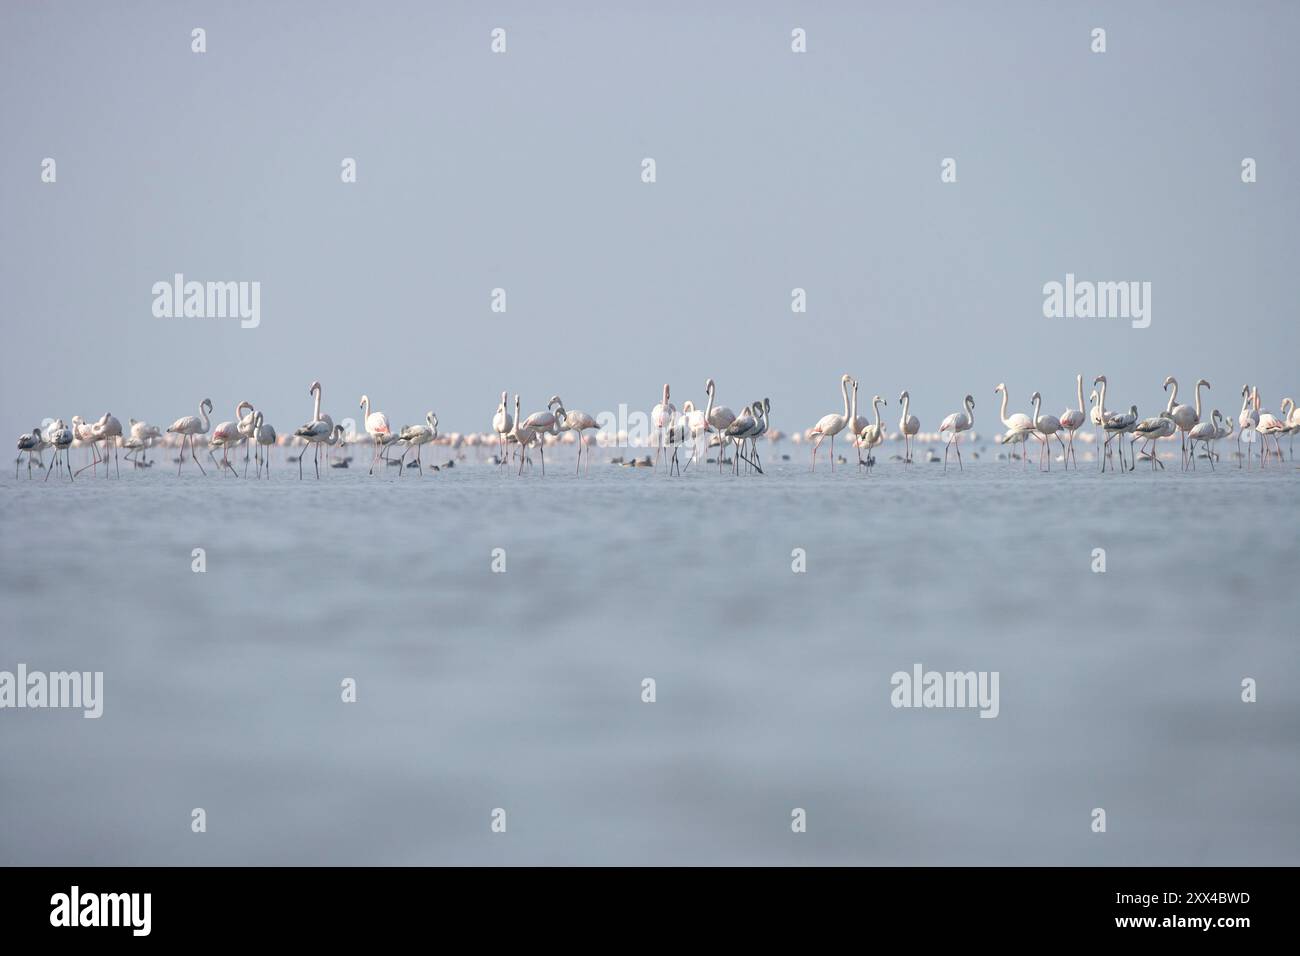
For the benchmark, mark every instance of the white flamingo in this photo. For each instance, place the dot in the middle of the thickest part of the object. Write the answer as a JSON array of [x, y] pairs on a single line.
[[189, 428], [1247, 420], [1185, 416], [1045, 426], [541, 424], [1112, 423], [108, 430], [718, 418], [315, 432], [1019, 426], [574, 421], [1203, 432], [957, 423], [247, 426], [873, 435], [856, 422], [225, 436], [1292, 419], [59, 436], [264, 436], [417, 436], [146, 435], [741, 429], [661, 419], [908, 425], [1071, 420], [376, 425], [828, 426], [503, 423]]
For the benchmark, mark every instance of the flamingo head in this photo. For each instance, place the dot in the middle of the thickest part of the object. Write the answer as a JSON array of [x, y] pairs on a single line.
[[767, 405], [970, 402], [903, 397], [1169, 380], [688, 406], [1245, 390], [1036, 397], [314, 388], [665, 393], [877, 399], [1201, 381], [1002, 387], [555, 400], [365, 400], [206, 403], [1099, 380]]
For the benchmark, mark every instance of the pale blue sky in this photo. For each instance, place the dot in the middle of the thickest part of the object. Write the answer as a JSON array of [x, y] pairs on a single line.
[[775, 170]]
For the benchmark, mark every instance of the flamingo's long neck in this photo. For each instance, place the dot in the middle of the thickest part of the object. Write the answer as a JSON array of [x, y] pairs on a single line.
[[970, 409], [1173, 399], [1101, 399], [203, 413], [1078, 382], [315, 415], [365, 406], [1003, 414], [1038, 404], [1245, 400], [853, 415], [907, 402], [1198, 401], [875, 410], [708, 409], [844, 390]]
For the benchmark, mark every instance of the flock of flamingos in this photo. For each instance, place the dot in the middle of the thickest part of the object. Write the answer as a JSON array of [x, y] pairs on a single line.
[[672, 430]]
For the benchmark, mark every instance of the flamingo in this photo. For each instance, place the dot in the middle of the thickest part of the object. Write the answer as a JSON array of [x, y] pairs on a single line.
[[376, 425], [697, 423], [1185, 416], [718, 418], [522, 435], [224, 436], [575, 421], [1045, 426], [542, 423], [1292, 419], [503, 424], [189, 428], [145, 434], [264, 436], [84, 432], [415, 436], [60, 438], [909, 425], [1151, 430], [764, 410], [871, 436], [856, 422], [1246, 421], [247, 426], [1111, 423], [741, 429], [30, 443], [957, 423], [831, 425], [1269, 426], [1019, 426], [1223, 428], [315, 432], [1071, 420], [661, 419], [108, 430], [1203, 432]]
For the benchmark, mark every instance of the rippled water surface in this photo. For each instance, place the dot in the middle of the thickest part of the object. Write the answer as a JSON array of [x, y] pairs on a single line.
[[522, 690]]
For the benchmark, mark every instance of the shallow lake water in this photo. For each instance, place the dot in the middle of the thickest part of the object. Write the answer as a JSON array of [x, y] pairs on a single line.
[[522, 690]]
